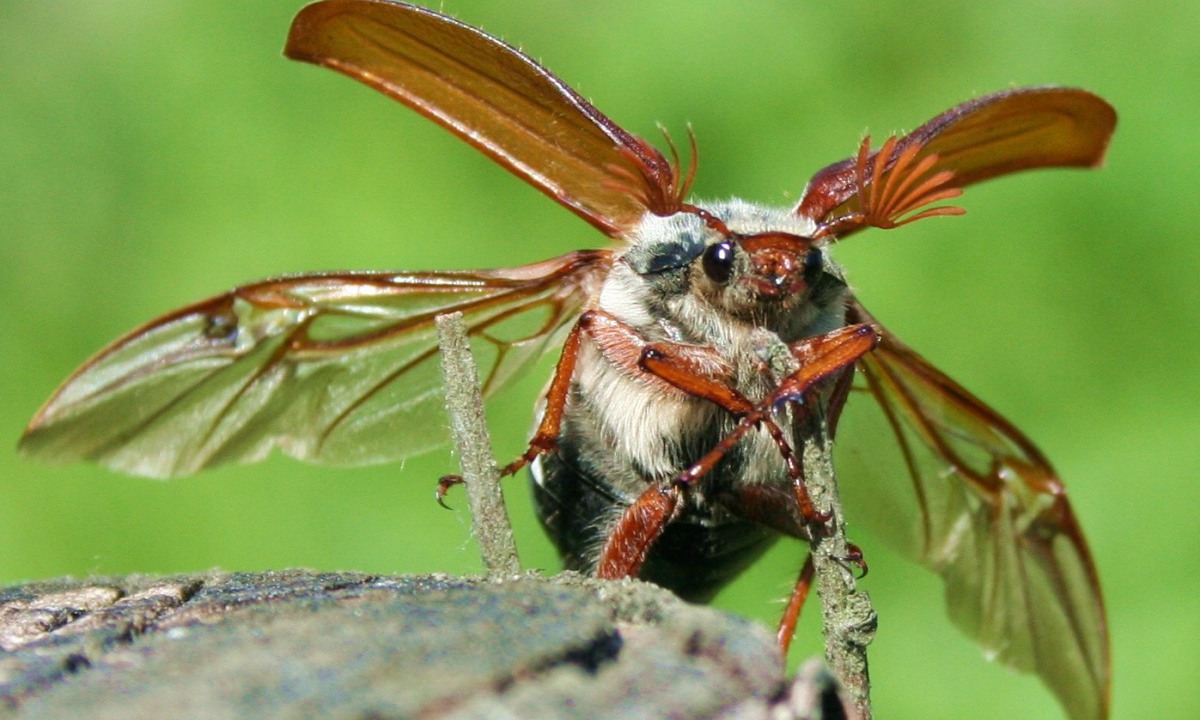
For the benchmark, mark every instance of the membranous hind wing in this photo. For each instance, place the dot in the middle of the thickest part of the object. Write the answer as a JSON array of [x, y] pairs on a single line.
[[972, 499], [337, 368]]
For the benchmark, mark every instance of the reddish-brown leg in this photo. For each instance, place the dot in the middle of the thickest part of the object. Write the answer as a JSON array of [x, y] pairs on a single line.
[[820, 357], [621, 345], [700, 372], [791, 614], [688, 370], [636, 532], [837, 400], [823, 356], [855, 557], [546, 436]]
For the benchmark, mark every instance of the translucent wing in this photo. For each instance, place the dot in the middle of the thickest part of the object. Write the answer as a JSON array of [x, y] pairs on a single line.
[[338, 368], [987, 137], [497, 99], [971, 498]]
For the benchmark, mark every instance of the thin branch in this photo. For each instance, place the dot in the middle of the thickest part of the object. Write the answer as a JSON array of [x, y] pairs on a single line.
[[468, 425], [848, 618], [847, 615]]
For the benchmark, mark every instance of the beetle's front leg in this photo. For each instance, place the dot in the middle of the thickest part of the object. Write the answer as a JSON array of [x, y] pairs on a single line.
[[677, 369], [701, 372], [819, 357], [620, 344], [822, 357]]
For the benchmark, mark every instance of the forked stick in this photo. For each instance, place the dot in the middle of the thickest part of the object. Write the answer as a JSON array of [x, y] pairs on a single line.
[[848, 617]]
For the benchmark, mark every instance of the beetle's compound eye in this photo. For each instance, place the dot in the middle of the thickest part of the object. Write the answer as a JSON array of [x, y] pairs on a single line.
[[718, 261], [813, 261]]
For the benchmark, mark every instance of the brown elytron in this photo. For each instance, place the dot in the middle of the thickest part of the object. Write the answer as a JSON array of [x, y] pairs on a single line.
[[664, 443]]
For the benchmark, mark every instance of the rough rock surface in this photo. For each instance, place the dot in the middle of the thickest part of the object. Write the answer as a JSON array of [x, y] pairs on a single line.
[[299, 644]]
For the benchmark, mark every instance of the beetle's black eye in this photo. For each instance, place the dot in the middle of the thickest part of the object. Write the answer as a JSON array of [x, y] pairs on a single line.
[[813, 261], [718, 261]]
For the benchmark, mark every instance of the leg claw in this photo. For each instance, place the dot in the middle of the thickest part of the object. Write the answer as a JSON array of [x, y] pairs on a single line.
[[444, 484]]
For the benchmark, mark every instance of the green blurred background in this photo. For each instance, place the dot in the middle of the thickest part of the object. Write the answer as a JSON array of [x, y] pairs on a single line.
[[154, 152]]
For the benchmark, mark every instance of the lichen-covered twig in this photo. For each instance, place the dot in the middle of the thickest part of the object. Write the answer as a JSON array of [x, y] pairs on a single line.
[[848, 618], [468, 425]]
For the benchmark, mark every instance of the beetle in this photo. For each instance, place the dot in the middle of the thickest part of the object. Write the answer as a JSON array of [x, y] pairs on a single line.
[[664, 443]]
